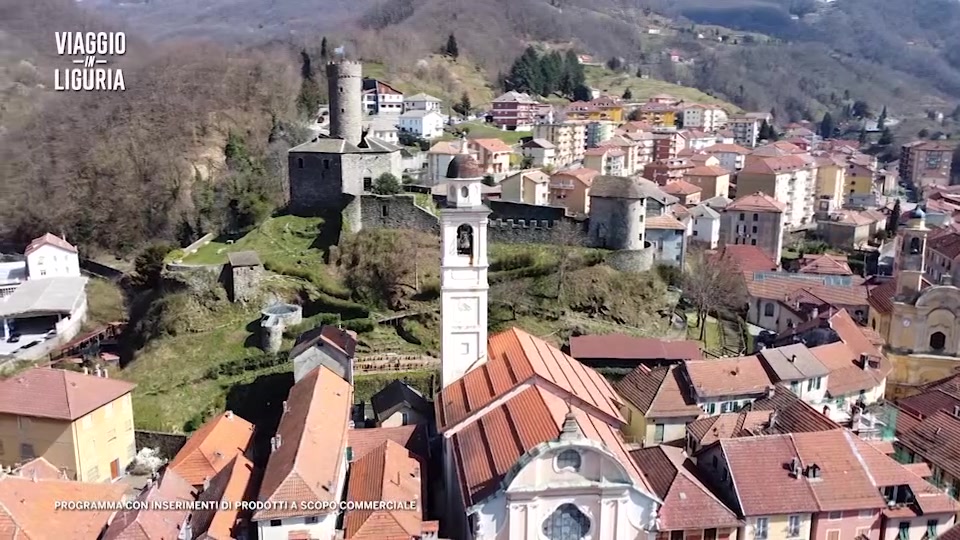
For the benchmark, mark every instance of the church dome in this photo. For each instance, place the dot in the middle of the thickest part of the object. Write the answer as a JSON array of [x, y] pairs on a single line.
[[464, 166]]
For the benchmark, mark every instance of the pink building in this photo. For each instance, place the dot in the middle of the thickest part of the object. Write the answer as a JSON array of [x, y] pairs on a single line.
[[515, 111], [492, 154]]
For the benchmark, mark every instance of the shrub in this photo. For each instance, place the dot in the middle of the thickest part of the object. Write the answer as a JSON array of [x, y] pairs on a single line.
[[360, 326], [345, 308], [513, 261], [240, 365]]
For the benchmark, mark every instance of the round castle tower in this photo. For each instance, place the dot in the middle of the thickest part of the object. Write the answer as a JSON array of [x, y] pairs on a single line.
[[345, 85]]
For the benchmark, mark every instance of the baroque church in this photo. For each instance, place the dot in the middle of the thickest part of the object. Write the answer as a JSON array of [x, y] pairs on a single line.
[[917, 317], [532, 444]]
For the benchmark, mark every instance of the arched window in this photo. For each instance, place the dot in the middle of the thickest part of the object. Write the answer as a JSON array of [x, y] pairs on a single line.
[[567, 522], [464, 192], [569, 460], [299, 162], [938, 341], [768, 309], [464, 240], [914, 246]]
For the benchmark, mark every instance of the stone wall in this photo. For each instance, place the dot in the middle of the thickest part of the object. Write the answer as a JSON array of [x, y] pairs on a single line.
[[245, 282], [315, 182], [639, 260], [516, 210], [520, 231], [397, 212], [168, 444]]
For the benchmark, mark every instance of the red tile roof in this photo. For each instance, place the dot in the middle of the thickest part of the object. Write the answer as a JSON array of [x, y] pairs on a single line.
[[658, 393], [28, 511], [881, 297], [756, 202], [747, 258], [707, 170], [313, 437], [624, 347], [781, 285], [937, 439], [413, 438], [947, 245], [687, 502], [492, 145], [49, 240], [846, 375], [58, 394], [212, 447], [723, 377], [759, 466], [843, 484], [40, 469], [665, 222], [153, 524], [745, 423], [681, 187], [825, 264], [727, 147], [583, 174], [793, 414], [235, 482]]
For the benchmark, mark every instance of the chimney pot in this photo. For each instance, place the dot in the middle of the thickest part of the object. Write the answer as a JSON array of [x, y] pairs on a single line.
[[793, 358]]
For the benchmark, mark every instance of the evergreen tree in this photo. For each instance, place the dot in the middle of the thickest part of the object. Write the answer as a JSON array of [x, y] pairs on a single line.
[[463, 107], [640, 74], [826, 126], [882, 119], [893, 220], [886, 138], [766, 132], [324, 53], [955, 115], [306, 65], [627, 94], [551, 71], [308, 101], [582, 93], [525, 74], [452, 49], [863, 135], [573, 75]]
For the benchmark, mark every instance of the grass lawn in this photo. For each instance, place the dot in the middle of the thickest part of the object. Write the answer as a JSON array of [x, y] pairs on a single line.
[[642, 89], [105, 303], [711, 340], [480, 130], [283, 239], [442, 77]]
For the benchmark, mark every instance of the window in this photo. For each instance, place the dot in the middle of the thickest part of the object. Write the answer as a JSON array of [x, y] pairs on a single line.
[[695, 232], [111, 435], [568, 460], [809, 384], [326, 164], [931, 529], [43, 272], [567, 522], [761, 529], [753, 229], [711, 408], [793, 526], [818, 383], [903, 531], [938, 341], [833, 534], [383, 210], [834, 516], [311, 520], [710, 534], [464, 192], [742, 216], [867, 514], [863, 532], [727, 406], [756, 217], [795, 387], [676, 535], [26, 451], [299, 162], [658, 433], [93, 474], [367, 183], [753, 241], [768, 309], [275, 522], [464, 240], [40, 260]]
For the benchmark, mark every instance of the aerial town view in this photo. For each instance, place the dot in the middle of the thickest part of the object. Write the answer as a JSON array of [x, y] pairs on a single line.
[[479, 270]]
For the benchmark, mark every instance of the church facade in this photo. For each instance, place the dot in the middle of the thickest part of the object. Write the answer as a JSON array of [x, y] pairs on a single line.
[[919, 319], [532, 443]]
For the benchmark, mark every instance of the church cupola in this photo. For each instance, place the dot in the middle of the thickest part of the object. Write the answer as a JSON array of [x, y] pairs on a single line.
[[464, 180]]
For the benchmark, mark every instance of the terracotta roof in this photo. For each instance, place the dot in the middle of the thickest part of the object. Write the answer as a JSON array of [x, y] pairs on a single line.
[[313, 436], [235, 482], [757, 202], [952, 534], [583, 174], [49, 240], [664, 222], [707, 170], [492, 145], [759, 466], [758, 164], [928, 402], [27, 508], [412, 437], [212, 447], [846, 376], [826, 264], [780, 285], [844, 483], [389, 472], [920, 469], [516, 357], [681, 212], [598, 151], [624, 347], [723, 377], [745, 423], [445, 147], [937, 439], [881, 296], [681, 187], [687, 502], [153, 524], [747, 258], [58, 394], [727, 148], [40, 469], [778, 148], [658, 393], [947, 245]]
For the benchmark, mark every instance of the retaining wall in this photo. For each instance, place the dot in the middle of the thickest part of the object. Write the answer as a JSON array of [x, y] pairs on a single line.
[[168, 444]]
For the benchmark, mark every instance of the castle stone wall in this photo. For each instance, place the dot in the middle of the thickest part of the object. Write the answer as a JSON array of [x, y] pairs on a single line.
[[315, 182], [397, 212], [617, 223], [638, 260]]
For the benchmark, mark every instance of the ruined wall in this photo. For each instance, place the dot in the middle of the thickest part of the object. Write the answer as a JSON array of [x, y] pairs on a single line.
[[638, 260], [397, 212], [521, 231]]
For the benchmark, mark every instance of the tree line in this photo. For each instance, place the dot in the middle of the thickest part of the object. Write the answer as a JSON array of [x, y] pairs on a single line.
[[548, 73]]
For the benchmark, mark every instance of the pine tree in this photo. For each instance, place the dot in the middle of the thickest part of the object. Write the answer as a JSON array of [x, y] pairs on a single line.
[[627, 94], [551, 71], [826, 126], [452, 49], [882, 119], [463, 107], [893, 220], [639, 72], [886, 138], [324, 53], [308, 101], [863, 135]]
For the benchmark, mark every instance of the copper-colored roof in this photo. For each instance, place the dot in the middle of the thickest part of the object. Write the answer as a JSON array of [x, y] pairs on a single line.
[[781, 285], [58, 394], [658, 393], [363, 440], [723, 377], [492, 145], [843, 483], [313, 436], [235, 482], [745, 423], [727, 147], [707, 170], [747, 258], [516, 357], [624, 347], [947, 245], [389, 472], [759, 469], [881, 296], [687, 502], [149, 524], [681, 187], [583, 174], [826, 264], [28, 511], [664, 222], [212, 447], [49, 240], [846, 376], [756, 202], [928, 402]]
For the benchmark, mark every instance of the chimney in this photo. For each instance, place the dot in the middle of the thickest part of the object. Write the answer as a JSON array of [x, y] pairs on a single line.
[[279, 440], [793, 358], [795, 467], [814, 313], [956, 411], [86, 370], [228, 414], [206, 484], [770, 390], [865, 361], [773, 420], [186, 530], [96, 371], [812, 472], [105, 375]]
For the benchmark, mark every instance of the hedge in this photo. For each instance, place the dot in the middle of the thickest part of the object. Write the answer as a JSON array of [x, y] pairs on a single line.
[[240, 365]]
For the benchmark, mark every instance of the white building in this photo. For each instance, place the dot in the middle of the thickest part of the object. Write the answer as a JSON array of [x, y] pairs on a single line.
[[567, 472], [426, 124], [422, 102], [704, 117], [705, 225], [381, 98], [529, 187], [51, 256], [541, 151], [795, 366], [731, 156], [39, 306], [746, 129], [385, 127]]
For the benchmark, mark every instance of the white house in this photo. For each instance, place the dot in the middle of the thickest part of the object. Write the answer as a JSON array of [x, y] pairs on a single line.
[[797, 367], [422, 102], [439, 157], [541, 151], [381, 98], [704, 117], [385, 127], [427, 124], [51, 256], [705, 225], [731, 156]]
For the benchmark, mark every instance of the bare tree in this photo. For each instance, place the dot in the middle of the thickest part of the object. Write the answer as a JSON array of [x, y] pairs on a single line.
[[568, 235], [511, 293], [712, 284]]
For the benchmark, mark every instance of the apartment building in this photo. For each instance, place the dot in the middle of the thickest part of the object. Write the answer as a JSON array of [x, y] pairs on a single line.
[[757, 220], [790, 179], [570, 140], [704, 117], [381, 98], [515, 111], [926, 163], [746, 129]]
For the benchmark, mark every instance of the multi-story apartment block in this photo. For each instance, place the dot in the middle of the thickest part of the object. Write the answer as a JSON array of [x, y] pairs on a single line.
[[515, 111], [756, 220], [926, 163], [379, 97], [667, 143], [570, 140], [789, 178], [599, 131], [664, 171], [746, 128], [608, 160], [831, 183], [606, 109], [704, 117], [657, 114]]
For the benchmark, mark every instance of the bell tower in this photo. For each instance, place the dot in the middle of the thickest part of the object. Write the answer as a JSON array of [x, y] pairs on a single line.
[[463, 270], [910, 256]]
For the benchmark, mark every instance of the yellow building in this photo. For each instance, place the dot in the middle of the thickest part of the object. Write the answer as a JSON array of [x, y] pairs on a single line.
[[655, 407], [917, 319], [605, 108], [657, 114], [81, 424], [831, 181]]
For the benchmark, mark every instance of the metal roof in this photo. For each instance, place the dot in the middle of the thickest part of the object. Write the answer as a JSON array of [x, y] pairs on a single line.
[[44, 297], [833, 281], [793, 363]]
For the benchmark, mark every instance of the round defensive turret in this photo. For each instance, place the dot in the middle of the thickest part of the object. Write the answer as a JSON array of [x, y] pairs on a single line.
[[345, 90]]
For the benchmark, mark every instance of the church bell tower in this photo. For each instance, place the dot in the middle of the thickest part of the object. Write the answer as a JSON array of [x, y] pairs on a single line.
[[463, 270], [910, 256]]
